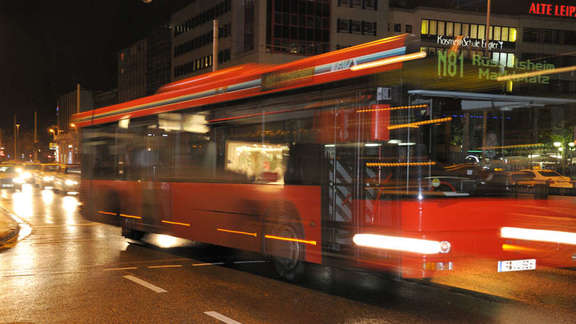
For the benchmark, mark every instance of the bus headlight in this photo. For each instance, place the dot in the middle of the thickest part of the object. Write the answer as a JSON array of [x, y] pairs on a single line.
[[405, 244]]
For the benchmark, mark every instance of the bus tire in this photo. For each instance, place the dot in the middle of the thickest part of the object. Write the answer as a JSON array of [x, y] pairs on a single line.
[[287, 256]]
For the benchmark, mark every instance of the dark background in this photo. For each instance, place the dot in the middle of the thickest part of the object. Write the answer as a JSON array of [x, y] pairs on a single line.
[[46, 47]]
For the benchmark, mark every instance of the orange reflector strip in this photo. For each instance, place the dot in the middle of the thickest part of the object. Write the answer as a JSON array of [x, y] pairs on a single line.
[[289, 239], [378, 164], [175, 223], [236, 232], [424, 122], [130, 216], [510, 247], [106, 213]]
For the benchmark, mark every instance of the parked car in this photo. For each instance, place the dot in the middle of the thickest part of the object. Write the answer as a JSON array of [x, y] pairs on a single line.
[[44, 178], [67, 180]]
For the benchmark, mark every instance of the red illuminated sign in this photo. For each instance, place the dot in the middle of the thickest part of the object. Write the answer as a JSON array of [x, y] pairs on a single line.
[[549, 9]]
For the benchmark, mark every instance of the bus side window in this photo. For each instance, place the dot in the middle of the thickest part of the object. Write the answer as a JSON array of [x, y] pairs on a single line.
[[303, 167]]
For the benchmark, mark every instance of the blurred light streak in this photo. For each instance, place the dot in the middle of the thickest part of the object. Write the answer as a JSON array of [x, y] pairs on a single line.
[[23, 204], [47, 197], [392, 108], [535, 73], [538, 235], [400, 164], [387, 61], [405, 244], [236, 232], [510, 146], [70, 205], [420, 123]]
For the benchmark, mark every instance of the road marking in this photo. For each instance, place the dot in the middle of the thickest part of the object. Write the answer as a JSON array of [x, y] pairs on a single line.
[[165, 266], [221, 317], [240, 262], [145, 284], [206, 264], [120, 269]]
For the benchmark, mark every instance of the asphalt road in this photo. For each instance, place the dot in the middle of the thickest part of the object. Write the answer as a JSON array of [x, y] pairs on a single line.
[[68, 270]]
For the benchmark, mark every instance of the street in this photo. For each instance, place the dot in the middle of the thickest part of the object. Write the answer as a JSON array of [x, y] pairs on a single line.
[[69, 270]]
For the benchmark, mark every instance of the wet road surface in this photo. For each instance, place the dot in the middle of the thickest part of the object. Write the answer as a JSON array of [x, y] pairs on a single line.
[[69, 270]]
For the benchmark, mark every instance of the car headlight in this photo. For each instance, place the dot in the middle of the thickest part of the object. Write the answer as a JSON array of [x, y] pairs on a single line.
[[48, 178], [18, 180], [26, 175], [69, 182]]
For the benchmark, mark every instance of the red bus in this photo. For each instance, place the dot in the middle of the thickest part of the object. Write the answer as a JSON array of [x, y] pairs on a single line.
[[350, 158]]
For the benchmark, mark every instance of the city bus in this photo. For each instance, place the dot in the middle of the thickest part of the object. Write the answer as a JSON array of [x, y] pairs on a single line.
[[367, 157]]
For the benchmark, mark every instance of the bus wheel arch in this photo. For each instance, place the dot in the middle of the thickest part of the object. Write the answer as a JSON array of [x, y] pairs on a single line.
[[281, 228]]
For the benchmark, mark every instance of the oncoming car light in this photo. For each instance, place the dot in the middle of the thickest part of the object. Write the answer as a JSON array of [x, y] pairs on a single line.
[[405, 244], [538, 235], [69, 182], [48, 178]]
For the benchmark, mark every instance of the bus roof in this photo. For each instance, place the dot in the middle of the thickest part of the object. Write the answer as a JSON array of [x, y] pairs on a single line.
[[253, 80]]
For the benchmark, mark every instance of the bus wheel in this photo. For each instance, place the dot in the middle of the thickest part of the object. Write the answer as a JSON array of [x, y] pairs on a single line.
[[130, 233], [287, 255]]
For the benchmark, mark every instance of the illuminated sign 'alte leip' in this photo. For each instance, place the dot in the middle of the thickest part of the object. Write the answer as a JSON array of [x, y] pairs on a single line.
[[549, 9]]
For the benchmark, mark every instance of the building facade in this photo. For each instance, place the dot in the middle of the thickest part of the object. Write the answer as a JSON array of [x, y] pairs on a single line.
[[536, 42], [145, 66], [65, 144], [270, 31]]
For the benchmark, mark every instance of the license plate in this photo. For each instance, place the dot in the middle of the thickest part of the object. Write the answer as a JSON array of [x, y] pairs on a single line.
[[516, 265]]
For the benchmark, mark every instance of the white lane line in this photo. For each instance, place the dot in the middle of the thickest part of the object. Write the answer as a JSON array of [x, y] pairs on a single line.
[[165, 266], [240, 262], [120, 269], [145, 284], [206, 264], [221, 317]]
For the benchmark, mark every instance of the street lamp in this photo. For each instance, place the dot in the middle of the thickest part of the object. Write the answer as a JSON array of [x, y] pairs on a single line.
[[16, 141]]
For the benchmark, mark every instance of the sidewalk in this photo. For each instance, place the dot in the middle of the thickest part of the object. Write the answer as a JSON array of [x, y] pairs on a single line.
[[8, 231]]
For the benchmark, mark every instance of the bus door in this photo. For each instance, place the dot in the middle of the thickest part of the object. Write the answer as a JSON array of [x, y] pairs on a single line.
[[341, 183], [340, 192]]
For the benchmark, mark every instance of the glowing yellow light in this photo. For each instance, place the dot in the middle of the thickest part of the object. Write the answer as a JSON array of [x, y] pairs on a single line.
[[538, 235], [392, 108], [236, 232], [405, 244], [535, 73], [388, 61], [176, 223], [399, 164], [273, 237], [420, 123]]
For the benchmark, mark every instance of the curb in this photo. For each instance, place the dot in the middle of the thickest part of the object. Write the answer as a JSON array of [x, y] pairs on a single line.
[[10, 237]]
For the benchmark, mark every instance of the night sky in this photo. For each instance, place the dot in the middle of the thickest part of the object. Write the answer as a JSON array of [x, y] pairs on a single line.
[[49, 46]]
